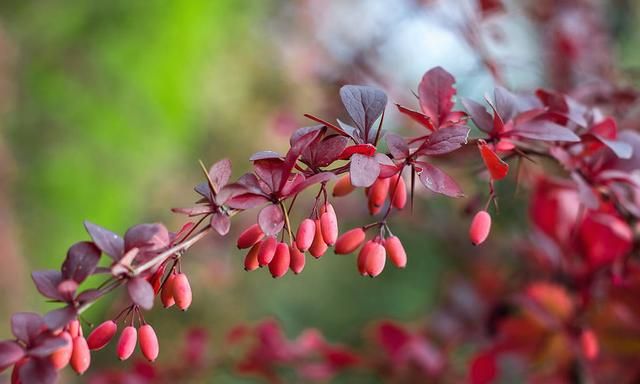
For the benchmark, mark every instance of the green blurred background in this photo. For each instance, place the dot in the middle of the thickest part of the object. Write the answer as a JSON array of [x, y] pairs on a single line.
[[106, 108]]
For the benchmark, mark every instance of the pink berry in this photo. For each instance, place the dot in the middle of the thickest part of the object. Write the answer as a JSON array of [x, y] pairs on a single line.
[[101, 335], [127, 343], [148, 342], [480, 227]]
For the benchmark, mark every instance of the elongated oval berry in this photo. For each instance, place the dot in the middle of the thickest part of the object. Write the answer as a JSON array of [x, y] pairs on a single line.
[[74, 328], [318, 247], [166, 296], [395, 251], [480, 227], [267, 250], [250, 237], [349, 241], [399, 192], [61, 357], [297, 259], [251, 259], [589, 344], [329, 225], [101, 335], [127, 342], [281, 261], [362, 257], [182, 291], [81, 356], [148, 342], [375, 260], [305, 234], [343, 186], [378, 193]]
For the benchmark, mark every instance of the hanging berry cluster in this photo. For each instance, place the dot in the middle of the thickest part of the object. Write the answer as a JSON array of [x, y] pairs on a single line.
[[146, 261]]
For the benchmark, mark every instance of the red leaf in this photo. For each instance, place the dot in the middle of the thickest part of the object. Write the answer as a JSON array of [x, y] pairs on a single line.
[[436, 93], [363, 170], [483, 368], [497, 168], [437, 181], [420, 118], [363, 149]]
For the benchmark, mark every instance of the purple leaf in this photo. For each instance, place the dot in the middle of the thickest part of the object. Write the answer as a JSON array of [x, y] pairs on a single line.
[[271, 219], [269, 171], [506, 103], [479, 115], [326, 151], [446, 140], [317, 178], [147, 237], [364, 105], [299, 133], [10, 353], [620, 148], [47, 283], [60, 317], [436, 92], [296, 150], [203, 190], [351, 131], [141, 292], [633, 139], [363, 170], [89, 295], [221, 223], [38, 371], [82, 259], [437, 181], [220, 172], [545, 131], [108, 242], [397, 146], [26, 325], [246, 201], [586, 194], [47, 346], [193, 211], [265, 155]]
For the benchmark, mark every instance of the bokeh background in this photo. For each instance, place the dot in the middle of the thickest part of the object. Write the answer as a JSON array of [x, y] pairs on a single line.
[[106, 108]]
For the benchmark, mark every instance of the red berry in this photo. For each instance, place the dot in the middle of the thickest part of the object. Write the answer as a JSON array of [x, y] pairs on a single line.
[[61, 357], [589, 344], [281, 261], [166, 296], [251, 259], [362, 257], [297, 259], [480, 227], [267, 250], [127, 343], [305, 234], [329, 225], [182, 291], [318, 247], [343, 186], [378, 194], [74, 328], [375, 260], [101, 335], [396, 251], [349, 241], [156, 278], [250, 236], [81, 356], [148, 342], [399, 194]]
